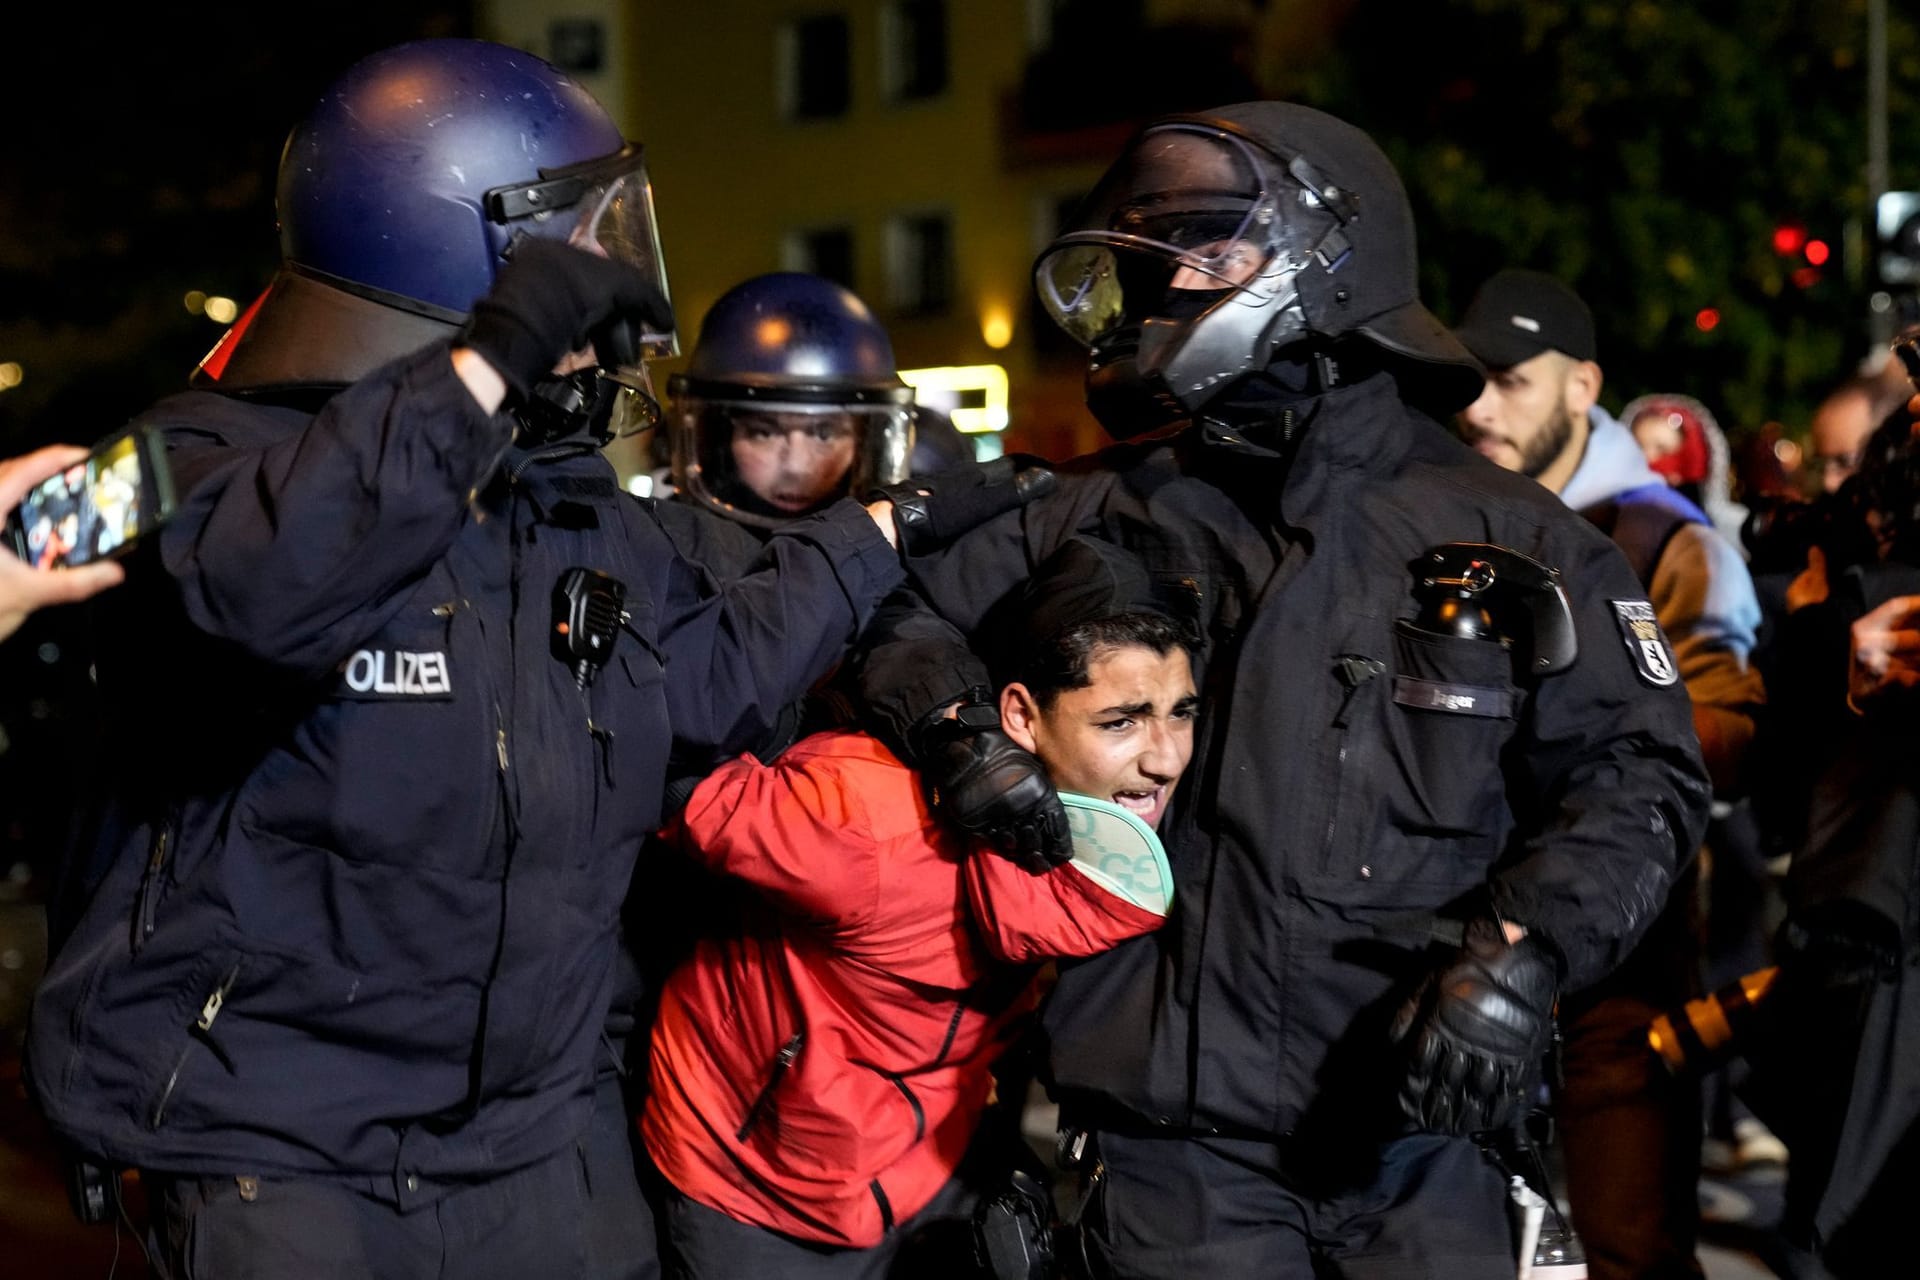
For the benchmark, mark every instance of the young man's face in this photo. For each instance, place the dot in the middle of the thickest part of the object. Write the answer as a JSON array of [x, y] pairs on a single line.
[[1126, 737], [1526, 418]]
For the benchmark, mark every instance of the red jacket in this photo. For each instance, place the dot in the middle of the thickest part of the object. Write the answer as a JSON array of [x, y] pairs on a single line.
[[821, 1071]]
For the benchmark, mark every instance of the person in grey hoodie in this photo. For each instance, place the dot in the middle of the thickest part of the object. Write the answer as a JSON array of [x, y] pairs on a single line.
[[1632, 1136]]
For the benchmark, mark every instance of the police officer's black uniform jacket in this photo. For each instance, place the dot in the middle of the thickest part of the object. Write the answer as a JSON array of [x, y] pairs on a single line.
[[356, 897], [1352, 776]]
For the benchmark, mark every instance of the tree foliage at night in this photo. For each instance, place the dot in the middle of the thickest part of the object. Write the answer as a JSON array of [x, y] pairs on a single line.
[[1645, 153]]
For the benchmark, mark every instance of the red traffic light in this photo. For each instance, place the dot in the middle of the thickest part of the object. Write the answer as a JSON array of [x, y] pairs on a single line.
[[1706, 319], [1787, 238], [1818, 252]]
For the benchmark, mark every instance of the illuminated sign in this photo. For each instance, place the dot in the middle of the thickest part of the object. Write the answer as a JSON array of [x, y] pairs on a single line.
[[973, 395]]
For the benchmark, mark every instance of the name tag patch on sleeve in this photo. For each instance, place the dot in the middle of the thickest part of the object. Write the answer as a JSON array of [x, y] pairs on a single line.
[[1646, 644]]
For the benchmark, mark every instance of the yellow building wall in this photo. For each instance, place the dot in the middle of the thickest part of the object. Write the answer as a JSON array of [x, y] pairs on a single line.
[[732, 177]]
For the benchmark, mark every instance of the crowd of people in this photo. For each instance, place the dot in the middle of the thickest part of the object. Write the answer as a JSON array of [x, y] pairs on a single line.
[[1312, 792]]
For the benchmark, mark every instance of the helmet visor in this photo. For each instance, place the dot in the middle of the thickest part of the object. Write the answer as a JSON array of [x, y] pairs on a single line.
[[1188, 209], [605, 205], [616, 218], [634, 410]]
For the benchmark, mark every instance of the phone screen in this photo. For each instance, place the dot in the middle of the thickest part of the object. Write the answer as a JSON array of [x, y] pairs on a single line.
[[94, 509]]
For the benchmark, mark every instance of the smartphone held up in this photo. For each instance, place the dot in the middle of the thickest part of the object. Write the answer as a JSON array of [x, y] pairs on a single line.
[[98, 508]]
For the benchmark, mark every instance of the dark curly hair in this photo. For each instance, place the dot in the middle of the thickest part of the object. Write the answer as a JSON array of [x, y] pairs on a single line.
[[1064, 662]]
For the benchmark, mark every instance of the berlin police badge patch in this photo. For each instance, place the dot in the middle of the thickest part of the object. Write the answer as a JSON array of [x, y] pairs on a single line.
[[1648, 647]]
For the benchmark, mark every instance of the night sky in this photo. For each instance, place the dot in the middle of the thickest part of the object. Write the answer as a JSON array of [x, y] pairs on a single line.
[[141, 169]]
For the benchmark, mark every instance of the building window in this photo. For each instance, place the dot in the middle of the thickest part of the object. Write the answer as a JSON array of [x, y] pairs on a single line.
[[577, 45], [815, 74], [913, 42], [1050, 22], [920, 263], [821, 251]]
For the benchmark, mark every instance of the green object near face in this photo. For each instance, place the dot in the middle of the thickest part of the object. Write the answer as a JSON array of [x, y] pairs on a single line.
[[1119, 852]]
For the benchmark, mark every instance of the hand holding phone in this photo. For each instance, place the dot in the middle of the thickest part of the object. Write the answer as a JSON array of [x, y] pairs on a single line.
[[97, 506], [23, 588]]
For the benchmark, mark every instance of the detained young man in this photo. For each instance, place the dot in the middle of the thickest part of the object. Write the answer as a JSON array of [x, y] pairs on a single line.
[[820, 1073]]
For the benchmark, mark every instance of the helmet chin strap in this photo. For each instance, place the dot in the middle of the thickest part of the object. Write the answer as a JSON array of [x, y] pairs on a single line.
[[1299, 372], [1128, 402]]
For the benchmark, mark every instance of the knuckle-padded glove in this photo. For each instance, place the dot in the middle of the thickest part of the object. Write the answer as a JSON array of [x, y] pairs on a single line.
[[1475, 1032], [988, 786], [551, 298], [933, 511]]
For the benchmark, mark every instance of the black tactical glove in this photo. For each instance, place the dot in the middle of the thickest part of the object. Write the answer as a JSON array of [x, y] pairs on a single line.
[[1476, 1031], [985, 784], [550, 299], [933, 511]]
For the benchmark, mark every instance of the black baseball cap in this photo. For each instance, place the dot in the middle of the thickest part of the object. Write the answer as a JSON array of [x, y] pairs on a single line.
[[1517, 314], [1086, 580]]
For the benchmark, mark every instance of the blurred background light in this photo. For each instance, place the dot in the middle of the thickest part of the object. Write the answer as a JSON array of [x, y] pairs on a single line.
[[996, 326]]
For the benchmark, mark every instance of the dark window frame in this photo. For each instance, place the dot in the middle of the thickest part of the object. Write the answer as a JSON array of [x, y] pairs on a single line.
[[822, 91], [801, 252], [922, 262], [916, 50]]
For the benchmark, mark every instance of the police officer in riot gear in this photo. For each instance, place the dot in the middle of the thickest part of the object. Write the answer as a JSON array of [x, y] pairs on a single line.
[[789, 401], [341, 949], [1396, 845]]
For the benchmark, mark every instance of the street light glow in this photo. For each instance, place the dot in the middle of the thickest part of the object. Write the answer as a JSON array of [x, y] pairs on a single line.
[[996, 326]]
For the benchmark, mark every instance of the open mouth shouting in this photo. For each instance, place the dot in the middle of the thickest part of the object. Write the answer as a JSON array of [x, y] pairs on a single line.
[[1147, 805]]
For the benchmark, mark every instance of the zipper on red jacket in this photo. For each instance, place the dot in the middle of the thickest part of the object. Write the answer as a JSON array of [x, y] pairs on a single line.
[[886, 1205], [919, 1113], [781, 1061], [953, 1029]]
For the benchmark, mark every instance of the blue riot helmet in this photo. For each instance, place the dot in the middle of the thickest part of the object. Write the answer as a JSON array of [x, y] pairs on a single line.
[[938, 445], [401, 193], [789, 401], [1217, 241]]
